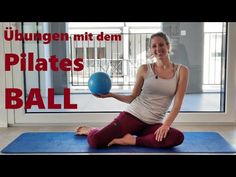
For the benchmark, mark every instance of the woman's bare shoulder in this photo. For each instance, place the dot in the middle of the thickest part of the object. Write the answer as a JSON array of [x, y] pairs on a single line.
[[142, 71], [184, 68], [143, 67]]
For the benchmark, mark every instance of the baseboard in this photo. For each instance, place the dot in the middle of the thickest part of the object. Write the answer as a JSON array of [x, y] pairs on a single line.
[[204, 123], [102, 124]]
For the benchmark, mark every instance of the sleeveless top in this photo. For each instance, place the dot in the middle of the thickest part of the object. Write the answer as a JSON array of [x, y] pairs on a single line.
[[155, 98]]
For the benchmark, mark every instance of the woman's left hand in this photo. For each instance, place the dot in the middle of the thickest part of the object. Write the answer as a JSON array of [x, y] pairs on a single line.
[[161, 132]]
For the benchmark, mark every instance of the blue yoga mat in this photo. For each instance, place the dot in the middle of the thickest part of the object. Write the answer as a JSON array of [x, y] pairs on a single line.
[[68, 142]]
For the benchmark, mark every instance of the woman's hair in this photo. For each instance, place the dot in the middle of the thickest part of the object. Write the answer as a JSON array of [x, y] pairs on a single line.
[[163, 36]]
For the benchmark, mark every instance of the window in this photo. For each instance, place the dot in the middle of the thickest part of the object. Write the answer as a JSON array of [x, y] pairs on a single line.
[[200, 46]]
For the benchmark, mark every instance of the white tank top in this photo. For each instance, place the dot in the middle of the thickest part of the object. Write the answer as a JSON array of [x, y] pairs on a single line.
[[155, 98]]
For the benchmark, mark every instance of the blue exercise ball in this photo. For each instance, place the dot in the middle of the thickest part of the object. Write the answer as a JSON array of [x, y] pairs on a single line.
[[99, 83]]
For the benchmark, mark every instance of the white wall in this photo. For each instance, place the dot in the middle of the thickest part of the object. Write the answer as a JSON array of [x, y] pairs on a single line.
[[231, 79], [4, 47]]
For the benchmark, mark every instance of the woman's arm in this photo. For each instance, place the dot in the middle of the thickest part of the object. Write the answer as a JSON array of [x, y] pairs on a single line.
[[180, 92], [136, 90], [179, 96]]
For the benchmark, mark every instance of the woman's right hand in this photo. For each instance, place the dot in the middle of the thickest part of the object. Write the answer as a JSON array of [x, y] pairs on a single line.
[[103, 95]]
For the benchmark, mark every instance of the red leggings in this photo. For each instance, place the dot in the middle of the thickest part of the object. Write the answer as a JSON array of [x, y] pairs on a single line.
[[127, 123]]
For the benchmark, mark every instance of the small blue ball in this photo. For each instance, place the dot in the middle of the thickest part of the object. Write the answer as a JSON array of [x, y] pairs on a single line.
[[99, 83]]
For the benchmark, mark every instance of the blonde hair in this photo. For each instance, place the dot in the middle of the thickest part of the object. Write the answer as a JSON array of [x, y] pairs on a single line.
[[163, 36]]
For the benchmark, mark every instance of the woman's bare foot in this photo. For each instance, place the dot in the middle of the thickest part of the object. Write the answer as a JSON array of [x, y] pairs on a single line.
[[82, 130], [128, 139]]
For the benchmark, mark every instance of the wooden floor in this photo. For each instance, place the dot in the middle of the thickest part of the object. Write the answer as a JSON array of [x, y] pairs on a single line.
[[10, 133]]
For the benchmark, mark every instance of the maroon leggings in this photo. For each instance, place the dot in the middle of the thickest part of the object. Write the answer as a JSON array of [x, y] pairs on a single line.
[[127, 123]]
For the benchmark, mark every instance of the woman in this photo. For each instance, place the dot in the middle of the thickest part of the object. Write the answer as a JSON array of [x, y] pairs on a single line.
[[144, 121]]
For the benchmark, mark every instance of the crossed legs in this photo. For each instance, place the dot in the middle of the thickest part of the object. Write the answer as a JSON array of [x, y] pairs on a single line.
[[123, 130]]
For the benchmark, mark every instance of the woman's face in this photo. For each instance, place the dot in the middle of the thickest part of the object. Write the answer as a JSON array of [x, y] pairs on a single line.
[[159, 48]]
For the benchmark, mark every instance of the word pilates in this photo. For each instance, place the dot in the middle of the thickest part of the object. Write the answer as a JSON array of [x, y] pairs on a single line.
[[27, 62]]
